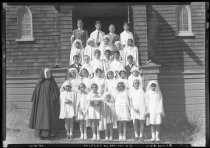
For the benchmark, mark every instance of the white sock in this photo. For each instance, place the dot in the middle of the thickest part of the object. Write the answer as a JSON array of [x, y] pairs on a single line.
[[153, 135], [136, 135], [140, 135], [157, 134]]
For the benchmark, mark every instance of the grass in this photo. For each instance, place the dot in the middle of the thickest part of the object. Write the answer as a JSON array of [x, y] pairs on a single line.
[[174, 130]]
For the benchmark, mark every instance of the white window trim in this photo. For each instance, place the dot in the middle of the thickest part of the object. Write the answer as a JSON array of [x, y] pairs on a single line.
[[189, 32], [26, 38]]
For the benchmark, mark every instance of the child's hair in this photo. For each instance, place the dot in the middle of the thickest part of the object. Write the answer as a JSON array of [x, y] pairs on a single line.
[[136, 80], [107, 51], [106, 37], [108, 73], [121, 72], [120, 83], [76, 56], [87, 56], [130, 57], [79, 20], [153, 84], [99, 70], [93, 85], [112, 25], [98, 22], [126, 23], [83, 69], [81, 84], [117, 52], [97, 51], [130, 39]]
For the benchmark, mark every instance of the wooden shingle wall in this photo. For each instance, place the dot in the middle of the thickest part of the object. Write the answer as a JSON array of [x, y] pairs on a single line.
[[28, 57], [182, 59], [169, 50], [140, 31], [65, 22]]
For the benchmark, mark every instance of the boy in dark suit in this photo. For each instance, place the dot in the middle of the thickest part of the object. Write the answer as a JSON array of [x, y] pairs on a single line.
[[130, 65], [76, 64]]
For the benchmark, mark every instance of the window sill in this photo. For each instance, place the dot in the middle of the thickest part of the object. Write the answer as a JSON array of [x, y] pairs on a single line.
[[24, 40], [185, 34]]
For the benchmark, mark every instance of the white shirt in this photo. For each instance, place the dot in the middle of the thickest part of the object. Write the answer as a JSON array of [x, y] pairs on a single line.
[[116, 65], [95, 63], [124, 36], [94, 34]]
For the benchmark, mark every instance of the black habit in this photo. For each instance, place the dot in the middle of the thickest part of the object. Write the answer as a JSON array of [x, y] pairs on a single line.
[[45, 108]]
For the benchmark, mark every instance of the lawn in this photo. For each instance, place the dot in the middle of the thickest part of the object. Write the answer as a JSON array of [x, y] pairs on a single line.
[[17, 132]]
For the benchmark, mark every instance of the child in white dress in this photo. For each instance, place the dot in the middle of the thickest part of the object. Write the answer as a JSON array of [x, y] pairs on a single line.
[[110, 82], [67, 107], [97, 62], [106, 44], [123, 77], [131, 49], [120, 48], [74, 78], [87, 65], [94, 110], [135, 74], [122, 107], [90, 48], [138, 107], [86, 79], [154, 108], [116, 64], [100, 81], [82, 110], [77, 49], [109, 114]]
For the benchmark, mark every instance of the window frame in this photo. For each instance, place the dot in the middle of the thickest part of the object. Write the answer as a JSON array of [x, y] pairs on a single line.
[[19, 25], [189, 31]]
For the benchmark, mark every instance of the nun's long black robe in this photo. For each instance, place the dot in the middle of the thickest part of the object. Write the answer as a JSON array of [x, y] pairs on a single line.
[[45, 108]]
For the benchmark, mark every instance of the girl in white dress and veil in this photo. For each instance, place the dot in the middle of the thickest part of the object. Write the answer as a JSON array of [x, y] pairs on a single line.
[[86, 79], [135, 74], [120, 48], [105, 45], [131, 49], [67, 107], [154, 108], [74, 78], [138, 107], [77, 49], [90, 48]]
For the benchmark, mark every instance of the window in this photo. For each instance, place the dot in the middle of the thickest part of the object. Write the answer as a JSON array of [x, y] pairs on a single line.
[[184, 21], [25, 28]]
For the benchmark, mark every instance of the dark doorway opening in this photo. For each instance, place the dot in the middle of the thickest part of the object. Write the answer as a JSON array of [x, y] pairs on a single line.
[[113, 14]]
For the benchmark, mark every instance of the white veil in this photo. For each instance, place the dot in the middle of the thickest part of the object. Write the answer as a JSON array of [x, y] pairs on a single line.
[[76, 51]]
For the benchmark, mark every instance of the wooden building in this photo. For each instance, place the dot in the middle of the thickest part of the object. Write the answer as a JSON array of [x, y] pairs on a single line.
[[172, 35]]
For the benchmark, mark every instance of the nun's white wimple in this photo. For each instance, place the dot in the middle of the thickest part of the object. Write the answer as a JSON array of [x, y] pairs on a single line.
[[45, 72]]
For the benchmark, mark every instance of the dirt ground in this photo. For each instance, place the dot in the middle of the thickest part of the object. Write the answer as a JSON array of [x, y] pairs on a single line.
[[17, 132]]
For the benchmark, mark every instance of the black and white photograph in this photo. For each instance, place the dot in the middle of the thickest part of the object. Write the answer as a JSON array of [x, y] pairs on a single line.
[[105, 73]]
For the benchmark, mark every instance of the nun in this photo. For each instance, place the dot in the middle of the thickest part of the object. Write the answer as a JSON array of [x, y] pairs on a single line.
[[45, 108]]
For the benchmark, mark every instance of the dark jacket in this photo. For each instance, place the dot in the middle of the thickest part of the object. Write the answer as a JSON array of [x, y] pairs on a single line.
[[128, 69], [77, 67]]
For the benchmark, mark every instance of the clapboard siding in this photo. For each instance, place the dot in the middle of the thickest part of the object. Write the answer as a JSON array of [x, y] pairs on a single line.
[[27, 57], [140, 31], [183, 92], [169, 50]]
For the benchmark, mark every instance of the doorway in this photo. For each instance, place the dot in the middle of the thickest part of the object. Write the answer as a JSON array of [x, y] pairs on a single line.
[[108, 14]]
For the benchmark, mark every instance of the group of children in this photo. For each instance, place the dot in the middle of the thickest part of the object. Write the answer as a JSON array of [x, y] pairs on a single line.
[[104, 89]]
